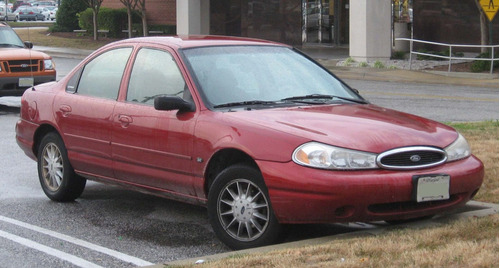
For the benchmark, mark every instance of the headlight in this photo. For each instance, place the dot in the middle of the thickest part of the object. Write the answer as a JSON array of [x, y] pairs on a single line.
[[318, 155], [49, 64], [458, 149]]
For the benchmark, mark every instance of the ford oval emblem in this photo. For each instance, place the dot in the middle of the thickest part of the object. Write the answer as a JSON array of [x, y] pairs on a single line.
[[24, 65], [415, 158]]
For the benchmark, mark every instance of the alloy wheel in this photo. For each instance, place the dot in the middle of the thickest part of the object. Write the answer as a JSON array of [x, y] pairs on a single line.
[[52, 167], [243, 210]]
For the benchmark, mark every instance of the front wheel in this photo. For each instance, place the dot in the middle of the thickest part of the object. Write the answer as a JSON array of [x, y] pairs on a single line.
[[239, 209], [57, 177]]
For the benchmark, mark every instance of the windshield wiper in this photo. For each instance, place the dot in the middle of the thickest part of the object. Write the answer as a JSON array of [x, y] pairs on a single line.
[[321, 96], [243, 103]]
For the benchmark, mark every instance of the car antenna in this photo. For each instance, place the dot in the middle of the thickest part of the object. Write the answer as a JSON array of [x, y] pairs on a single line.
[[31, 62]]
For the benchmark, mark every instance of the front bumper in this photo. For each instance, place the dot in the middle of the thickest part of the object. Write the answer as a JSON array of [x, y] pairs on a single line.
[[9, 86], [306, 195]]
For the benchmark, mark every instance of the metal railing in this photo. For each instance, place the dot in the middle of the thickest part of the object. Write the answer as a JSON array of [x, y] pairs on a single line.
[[450, 57]]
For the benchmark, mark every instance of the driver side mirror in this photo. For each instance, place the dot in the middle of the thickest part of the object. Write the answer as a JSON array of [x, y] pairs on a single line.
[[28, 44], [169, 103]]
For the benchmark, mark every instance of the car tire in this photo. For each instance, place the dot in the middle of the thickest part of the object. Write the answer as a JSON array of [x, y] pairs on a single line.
[[57, 177], [239, 209]]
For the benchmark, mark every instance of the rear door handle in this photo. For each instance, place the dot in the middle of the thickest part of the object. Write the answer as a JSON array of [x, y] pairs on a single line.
[[65, 109]]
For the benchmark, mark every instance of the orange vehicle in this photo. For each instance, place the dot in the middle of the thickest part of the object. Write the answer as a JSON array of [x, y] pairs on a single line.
[[21, 67]]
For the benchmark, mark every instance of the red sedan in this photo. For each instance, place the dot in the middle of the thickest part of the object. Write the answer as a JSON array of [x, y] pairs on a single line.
[[254, 130]]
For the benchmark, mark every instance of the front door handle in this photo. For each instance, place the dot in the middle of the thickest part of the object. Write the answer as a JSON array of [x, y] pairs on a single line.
[[125, 120]]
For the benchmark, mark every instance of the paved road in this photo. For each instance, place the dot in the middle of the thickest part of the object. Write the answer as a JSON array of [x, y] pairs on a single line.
[[444, 103]]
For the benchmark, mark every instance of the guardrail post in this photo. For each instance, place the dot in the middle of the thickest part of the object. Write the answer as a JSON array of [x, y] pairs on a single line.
[[449, 60], [492, 59], [411, 50]]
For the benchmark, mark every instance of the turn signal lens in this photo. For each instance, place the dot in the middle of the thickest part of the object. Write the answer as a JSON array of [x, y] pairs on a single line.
[[459, 149]]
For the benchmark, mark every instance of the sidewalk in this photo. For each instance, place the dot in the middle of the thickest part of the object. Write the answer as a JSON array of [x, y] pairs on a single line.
[[73, 53], [329, 57]]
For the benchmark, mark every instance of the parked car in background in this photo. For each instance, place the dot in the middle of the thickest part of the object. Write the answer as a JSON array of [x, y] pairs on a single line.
[[254, 130], [6, 14], [20, 66], [29, 13], [43, 3], [49, 12], [19, 3]]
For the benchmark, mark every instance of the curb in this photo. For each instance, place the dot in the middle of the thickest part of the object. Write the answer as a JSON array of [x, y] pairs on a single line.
[[64, 52], [406, 76], [471, 209]]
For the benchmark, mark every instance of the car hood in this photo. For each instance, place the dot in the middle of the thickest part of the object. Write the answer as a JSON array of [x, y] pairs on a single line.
[[21, 53], [360, 127]]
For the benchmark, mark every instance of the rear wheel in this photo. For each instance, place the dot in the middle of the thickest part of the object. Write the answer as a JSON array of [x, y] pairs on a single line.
[[57, 178], [239, 209]]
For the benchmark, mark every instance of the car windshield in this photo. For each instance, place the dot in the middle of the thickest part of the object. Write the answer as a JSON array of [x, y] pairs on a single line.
[[8, 38], [261, 75]]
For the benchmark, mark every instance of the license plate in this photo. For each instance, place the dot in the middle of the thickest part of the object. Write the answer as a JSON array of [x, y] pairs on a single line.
[[431, 187], [26, 82]]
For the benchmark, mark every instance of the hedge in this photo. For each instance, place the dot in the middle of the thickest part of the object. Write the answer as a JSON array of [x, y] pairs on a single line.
[[114, 20]]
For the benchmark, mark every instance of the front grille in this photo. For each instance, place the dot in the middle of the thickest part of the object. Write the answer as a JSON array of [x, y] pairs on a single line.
[[411, 158], [21, 66]]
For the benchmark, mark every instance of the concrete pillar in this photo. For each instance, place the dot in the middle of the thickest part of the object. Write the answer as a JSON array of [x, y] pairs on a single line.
[[370, 30], [193, 17], [401, 30]]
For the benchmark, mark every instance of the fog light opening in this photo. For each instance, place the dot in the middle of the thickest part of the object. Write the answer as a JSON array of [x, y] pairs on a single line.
[[344, 212]]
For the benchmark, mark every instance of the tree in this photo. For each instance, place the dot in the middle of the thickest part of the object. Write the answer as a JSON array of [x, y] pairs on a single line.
[[95, 5], [66, 18], [130, 5], [141, 4], [484, 27]]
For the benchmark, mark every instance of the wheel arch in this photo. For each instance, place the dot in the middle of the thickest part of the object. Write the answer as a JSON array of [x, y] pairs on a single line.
[[223, 159], [40, 133]]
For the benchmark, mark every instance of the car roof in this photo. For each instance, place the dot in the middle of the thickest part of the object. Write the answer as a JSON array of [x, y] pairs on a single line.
[[190, 41]]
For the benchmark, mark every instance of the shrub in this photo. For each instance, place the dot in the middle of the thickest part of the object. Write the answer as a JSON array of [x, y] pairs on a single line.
[[166, 29], [398, 55], [66, 18], [363, 64], [445, 53], [483, 65], [379, 65], [114, 20]]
